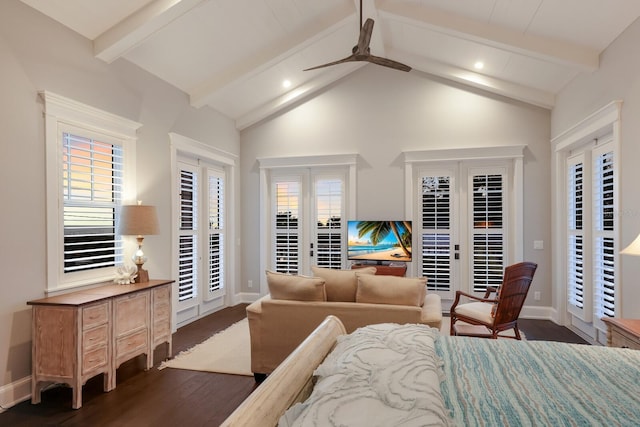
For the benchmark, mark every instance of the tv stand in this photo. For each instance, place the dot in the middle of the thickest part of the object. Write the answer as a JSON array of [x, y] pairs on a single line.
[[384, 270]]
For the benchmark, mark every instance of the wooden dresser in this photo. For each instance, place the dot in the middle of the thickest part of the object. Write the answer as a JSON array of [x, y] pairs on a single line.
[[623, 333], [79, 335]]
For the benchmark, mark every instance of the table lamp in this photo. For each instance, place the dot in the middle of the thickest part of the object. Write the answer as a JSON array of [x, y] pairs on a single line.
[[138, 220]]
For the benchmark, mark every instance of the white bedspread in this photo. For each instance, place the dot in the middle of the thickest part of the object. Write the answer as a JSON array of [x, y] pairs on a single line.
[[380, 375]]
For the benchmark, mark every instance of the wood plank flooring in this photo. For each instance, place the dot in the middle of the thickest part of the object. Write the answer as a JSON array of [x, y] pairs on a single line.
[[176, 397]]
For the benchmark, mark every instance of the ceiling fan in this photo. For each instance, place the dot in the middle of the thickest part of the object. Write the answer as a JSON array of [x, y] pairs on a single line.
[[361, 51]]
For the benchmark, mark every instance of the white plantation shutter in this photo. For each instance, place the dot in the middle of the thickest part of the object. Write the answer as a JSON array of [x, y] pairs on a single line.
[[604, 232], [435, 234], [287, 242], [92, 179], [578, 295], [329, 214], [488, 229], [216, 232], [188, 233]]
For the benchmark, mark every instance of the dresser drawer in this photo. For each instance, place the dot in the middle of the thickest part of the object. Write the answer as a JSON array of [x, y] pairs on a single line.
[[161, 295], [131, 313], [93, 359], [620, 339], [95, 337], [95, 315], [161, 312], [132, 344], [161, 329]]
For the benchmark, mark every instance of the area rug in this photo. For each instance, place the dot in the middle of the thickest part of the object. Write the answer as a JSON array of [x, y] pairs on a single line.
[[227, 352]]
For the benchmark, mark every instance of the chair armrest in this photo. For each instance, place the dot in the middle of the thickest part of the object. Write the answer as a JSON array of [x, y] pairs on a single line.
[[490, 290], [470, 296]]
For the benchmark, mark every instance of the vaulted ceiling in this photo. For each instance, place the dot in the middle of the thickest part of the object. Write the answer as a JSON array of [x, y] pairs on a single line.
[[234, 55]]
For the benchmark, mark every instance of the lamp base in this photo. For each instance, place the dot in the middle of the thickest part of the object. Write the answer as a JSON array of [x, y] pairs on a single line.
[[143, 275]]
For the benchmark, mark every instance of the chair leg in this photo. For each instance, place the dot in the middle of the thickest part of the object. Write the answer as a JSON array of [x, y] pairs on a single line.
[[451, 330], [517, 333]]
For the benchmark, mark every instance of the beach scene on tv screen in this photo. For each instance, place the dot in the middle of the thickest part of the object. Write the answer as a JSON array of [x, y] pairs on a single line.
[[379, 240]]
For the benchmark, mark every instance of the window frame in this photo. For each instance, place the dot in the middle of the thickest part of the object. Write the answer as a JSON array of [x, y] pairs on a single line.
[[64, 115]]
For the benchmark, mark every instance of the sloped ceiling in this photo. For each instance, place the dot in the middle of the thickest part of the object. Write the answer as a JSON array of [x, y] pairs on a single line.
[[234, 55]]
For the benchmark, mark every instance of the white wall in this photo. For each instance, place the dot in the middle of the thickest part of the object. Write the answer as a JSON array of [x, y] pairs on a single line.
[[617, 78], [36, 54], [378, 113]]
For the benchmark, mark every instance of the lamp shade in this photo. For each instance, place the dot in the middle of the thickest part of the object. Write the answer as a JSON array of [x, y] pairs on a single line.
[[138, 220], [633, 248]]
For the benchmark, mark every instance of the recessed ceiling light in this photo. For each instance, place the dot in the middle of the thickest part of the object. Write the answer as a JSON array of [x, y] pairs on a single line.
[[286, 83], [479, 65]]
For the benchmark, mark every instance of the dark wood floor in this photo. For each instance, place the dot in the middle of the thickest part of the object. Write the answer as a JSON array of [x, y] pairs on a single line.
[[176, 397]]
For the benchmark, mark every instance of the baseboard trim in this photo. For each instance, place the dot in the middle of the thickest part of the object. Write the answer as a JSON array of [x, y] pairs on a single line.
[[534, 312], [13, 393], [245, 297]]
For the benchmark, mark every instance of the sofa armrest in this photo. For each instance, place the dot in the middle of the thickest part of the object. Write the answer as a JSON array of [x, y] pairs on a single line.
[[432, 311]]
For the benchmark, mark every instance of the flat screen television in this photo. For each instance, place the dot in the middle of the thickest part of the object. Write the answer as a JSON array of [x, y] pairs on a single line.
[[379, 241]]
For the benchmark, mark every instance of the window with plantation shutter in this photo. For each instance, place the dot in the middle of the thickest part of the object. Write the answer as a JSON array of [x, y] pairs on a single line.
[[436, 212], [308, 201], [576, 296], [89, 174], [604, 232], [329, 211], [467, 210], [202, 179], [487, 194], [92, 184], [591, 233], [216, 227], [287, 238], [188, 234]]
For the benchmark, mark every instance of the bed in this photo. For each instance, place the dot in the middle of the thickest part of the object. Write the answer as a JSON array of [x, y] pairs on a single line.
[[411, 375]]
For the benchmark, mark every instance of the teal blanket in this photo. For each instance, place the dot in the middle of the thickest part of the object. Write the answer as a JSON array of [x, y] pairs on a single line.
[[535, 383]]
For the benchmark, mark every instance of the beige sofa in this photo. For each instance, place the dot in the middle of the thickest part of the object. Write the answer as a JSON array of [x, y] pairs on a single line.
[[279, 322]]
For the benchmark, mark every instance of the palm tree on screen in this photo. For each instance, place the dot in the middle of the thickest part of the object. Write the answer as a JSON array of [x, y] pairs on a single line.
[[379, 230]]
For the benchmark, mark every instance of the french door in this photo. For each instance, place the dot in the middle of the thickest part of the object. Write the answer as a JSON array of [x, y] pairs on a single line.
[[591, 243], [462, 217], [201, 239], [307, 220]]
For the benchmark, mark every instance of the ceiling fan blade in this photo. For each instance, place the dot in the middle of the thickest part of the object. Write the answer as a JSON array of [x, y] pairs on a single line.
[[385, 62], [365, 37], [361, 51], [350, 58]]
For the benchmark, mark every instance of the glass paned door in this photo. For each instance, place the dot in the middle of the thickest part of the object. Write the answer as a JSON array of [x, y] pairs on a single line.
[[436, 213], [462, 227]]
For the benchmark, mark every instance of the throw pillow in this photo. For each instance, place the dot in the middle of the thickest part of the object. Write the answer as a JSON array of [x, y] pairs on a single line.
[[341, 285], [297, 288], [391, 290]]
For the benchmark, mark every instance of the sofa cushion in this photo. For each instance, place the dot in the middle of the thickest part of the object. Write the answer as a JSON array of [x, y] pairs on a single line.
[[341, 285], [297, 288], [391, 290]]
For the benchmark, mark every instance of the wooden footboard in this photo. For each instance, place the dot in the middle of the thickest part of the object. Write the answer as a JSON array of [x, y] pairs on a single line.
[[290, 382]]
